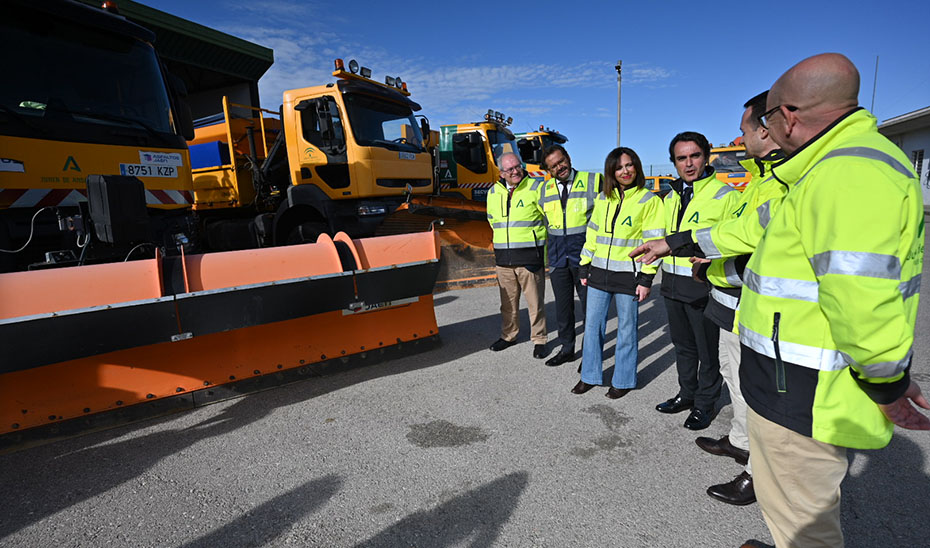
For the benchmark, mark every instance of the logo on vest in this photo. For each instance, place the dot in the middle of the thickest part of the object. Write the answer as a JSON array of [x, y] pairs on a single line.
[[628, 221], [694, 218], [739, 211]]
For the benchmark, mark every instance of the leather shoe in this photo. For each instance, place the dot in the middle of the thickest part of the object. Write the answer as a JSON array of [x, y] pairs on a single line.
[[560, 358], [675, 405], [698, 420], [582, 387], [539, 351], [724, 448], [616, 393], [501, 344], [738, 492]]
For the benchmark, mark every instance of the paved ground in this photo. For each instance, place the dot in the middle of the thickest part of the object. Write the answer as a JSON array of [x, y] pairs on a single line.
[[455, 447]]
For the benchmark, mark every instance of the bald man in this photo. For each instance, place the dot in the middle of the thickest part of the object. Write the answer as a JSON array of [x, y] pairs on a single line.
[[829, 303]]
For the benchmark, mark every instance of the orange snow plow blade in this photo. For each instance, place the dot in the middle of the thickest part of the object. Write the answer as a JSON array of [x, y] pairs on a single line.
[[91, 346], [466, 253]]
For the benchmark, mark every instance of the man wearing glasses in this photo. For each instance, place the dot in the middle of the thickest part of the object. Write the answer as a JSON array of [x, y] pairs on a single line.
[[830, 302], [519, 237], [567, 201]]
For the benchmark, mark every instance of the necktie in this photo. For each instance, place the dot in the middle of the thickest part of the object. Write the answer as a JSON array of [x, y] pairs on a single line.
[[564, 194]]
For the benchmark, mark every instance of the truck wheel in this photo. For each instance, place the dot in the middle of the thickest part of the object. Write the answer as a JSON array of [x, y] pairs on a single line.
[[305, 233]]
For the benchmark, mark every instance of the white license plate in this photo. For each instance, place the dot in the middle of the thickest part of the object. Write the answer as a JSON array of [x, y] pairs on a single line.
[[141, 170]]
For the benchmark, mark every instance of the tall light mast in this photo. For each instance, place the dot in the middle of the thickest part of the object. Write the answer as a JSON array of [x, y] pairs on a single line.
[[619, 68]]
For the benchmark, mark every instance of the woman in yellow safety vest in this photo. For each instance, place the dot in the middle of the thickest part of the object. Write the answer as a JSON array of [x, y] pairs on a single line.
[[625, 215]]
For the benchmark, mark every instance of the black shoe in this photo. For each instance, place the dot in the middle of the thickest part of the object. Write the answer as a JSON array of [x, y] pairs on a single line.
[[675, 405], [560, 358], [698, 419], [501, 344], [539, 351], [582, 387], [753, 543], [616, 393], [738, 492], [724, 448]]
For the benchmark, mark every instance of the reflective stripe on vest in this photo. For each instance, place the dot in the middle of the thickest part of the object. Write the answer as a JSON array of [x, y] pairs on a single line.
[[656, 233], [676, 269], [613, 265], [702, 235], [910, 288], [784, 288], [811, 357], [729, 269], [619, 242], [764, 212], [857, 263], [728, 301]]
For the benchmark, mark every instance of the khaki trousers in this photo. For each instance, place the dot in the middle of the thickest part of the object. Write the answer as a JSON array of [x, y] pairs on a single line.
[[729, 369], [513, 279], [797, 482]]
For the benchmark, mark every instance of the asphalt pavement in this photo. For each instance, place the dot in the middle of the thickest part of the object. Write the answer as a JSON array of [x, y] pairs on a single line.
[[457, 446]]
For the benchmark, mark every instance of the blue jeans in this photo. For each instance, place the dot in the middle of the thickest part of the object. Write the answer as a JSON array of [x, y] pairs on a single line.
[[626, 353]]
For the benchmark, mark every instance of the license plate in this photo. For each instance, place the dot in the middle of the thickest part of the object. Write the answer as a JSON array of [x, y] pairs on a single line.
[[141, 170]]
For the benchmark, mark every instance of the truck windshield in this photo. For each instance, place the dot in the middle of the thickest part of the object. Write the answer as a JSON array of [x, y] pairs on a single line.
[[727, 161], [382, 123], [502, 142], [72, 82]]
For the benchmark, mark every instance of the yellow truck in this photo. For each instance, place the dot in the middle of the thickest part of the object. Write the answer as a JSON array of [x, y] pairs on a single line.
[[340, 156], [533, 144], [84, 93], [726, 162], [95, 168], [468, 153]]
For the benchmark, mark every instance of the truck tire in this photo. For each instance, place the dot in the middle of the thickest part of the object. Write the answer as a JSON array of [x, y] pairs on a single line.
[[305, 233]]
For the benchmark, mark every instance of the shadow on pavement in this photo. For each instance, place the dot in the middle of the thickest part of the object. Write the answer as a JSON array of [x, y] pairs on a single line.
[[262, 525], [474, 518], [52, 477]]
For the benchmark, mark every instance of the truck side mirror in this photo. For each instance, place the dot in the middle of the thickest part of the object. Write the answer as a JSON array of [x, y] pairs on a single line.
[[424, 128], [468, 151], [181, 107]]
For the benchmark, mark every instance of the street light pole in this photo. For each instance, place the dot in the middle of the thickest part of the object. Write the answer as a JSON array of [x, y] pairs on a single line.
[[619, 68]]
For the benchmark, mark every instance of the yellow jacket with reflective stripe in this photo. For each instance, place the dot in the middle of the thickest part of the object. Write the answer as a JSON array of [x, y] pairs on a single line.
[[711, 202], [830, 293], [566, 227], [619, 224], [729, 242], [517, 223]]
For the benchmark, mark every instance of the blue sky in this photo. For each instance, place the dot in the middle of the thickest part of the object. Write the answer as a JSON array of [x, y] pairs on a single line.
[[686, 65]]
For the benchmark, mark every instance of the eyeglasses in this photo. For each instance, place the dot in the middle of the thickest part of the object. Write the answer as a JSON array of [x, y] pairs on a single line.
[[514, 169], [560, 163], [766, 116]]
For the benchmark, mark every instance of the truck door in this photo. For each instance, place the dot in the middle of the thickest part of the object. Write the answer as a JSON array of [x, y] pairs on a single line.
[[323, 159]]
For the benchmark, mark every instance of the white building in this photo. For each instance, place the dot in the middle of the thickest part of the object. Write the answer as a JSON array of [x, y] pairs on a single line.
[[911, 132]]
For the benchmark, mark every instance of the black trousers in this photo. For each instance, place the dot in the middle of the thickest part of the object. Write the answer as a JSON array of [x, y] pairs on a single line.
[[697, 357], [565, 283]]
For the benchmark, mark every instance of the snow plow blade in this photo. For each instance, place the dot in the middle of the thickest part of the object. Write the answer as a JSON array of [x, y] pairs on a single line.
[[466, 252], [93, 346]]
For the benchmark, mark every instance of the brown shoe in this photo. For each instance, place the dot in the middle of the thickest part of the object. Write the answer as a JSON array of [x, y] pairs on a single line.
[[616, 393], [724, 448], [738, 492], [582, 387]]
